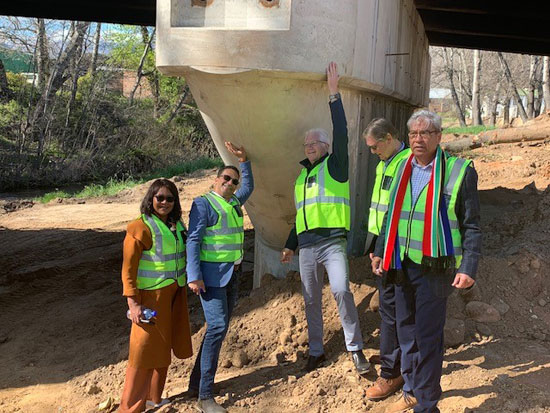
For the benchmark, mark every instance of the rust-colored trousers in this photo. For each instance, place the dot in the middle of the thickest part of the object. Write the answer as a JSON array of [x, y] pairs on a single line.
[[151, 347]]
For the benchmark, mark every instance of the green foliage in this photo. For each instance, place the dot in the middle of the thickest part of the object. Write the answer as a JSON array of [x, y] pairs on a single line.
[[128, 46], [468, 130], [16, 81], [184, 168], [101, 134], [114, 186], [53, 195], [11, 115]]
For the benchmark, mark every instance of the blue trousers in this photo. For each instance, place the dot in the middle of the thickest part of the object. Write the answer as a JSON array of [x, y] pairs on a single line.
[[420, 316], [390, 352], [217, 305]]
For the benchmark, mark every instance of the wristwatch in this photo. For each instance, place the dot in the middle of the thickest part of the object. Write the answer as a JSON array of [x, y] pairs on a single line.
[[335, 97]]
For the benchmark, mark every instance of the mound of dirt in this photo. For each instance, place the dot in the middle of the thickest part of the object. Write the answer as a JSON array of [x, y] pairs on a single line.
[[64, 336]]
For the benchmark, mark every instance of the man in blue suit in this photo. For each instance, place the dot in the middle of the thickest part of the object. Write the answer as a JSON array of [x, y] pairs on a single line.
[[214, 254]]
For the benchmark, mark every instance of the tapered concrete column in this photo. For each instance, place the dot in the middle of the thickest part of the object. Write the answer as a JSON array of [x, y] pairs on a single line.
[[256, 69]]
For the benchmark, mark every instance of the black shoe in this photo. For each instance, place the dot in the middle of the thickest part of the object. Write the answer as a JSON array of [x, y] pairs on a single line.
[[314, 361], [192, 393], [361, 364]]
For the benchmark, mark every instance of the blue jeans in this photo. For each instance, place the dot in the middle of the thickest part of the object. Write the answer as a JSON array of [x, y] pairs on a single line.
[[390, 352], [217, 305]]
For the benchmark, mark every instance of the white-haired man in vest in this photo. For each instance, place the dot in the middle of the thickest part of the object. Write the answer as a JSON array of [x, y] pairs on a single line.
[[429, 244], [322, 222]]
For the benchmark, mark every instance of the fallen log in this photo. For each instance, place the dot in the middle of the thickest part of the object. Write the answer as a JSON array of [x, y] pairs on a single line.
[[496, 136]]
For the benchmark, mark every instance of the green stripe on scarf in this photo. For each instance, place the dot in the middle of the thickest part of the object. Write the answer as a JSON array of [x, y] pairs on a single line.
[[437, 247]]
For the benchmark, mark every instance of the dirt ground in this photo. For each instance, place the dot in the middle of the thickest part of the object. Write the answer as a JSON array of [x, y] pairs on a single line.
[[64, 335]]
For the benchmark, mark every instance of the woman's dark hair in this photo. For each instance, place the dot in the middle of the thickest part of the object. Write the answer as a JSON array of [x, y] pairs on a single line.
[[223, 168], [147, 203]]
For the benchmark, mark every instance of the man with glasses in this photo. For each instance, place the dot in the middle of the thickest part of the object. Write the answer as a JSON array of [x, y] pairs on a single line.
[[214, 255], [322, 221], [381, 138], [429, 244]]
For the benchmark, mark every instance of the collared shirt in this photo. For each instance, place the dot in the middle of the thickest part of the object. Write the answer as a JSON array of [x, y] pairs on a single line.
[[387, 161], [201, 216], [222, 198], [420, 176]]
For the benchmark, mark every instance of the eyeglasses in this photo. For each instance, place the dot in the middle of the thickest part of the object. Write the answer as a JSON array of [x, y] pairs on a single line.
[[162, 198], [424, 134], [227, 178], [311, 144]]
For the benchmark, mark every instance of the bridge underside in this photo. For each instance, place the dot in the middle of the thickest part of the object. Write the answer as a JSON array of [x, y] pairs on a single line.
[[508, 26]]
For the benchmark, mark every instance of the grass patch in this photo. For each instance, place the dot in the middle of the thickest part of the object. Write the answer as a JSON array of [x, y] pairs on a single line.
[[468, 130], [53, 195], [184, 168], [113, 187]]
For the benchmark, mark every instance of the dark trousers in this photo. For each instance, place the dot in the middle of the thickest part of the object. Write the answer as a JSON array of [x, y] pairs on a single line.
[[217, 304], [420, 316], [390, 353]]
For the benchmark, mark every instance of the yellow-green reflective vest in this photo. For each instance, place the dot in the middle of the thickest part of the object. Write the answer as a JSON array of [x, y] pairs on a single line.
[[411, 221], [381, 190], [164, 263], [321, 201], [223, 242]]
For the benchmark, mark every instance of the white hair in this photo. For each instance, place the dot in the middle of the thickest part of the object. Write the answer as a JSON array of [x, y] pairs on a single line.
[[433, 118], [320, 133]]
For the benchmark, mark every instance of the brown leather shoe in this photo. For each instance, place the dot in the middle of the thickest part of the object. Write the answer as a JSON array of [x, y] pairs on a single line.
[[403, 404], [383, 388]]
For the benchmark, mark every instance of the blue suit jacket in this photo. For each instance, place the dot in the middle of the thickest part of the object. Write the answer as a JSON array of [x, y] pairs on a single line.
[[202, 215]]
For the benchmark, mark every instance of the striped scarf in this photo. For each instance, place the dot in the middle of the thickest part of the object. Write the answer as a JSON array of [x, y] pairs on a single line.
[[437, 243]]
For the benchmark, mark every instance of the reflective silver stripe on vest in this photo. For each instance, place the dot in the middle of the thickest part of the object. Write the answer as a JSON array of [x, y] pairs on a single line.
[[161, 258], [455, 172], [419, 216], [158, 235], [221, 247], [221, 211], [417, 245], [224, 231], [323, 200], [321, 175], [379, 207], [164, 275]]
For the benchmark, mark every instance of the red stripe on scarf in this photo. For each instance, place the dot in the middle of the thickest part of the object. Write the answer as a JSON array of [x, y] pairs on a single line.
[[427, 238], [396, 214]]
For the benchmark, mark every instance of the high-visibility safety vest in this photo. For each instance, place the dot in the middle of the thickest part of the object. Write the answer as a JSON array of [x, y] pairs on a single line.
[[321, 201], [381, 190], [223, 241], [411, 220], [164, 263]]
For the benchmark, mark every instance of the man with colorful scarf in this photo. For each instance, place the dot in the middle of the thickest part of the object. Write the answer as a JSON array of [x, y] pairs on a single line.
[[429, 244]]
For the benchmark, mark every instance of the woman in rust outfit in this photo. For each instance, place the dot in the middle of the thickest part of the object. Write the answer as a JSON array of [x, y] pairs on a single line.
[[153, 276]]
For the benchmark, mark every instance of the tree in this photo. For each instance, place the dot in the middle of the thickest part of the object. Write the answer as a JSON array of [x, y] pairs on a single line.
[[476, 103], [512, 86], [546, 82], [5, 91], [533, 86], [449, 70], [42, 55], [97, 39], [38, 122]]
